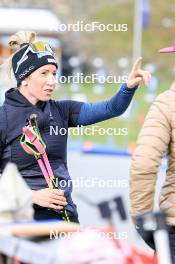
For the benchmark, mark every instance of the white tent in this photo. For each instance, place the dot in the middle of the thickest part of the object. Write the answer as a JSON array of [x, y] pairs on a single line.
[[43, 21]]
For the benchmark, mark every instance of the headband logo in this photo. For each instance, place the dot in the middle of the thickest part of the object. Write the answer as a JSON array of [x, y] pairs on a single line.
[[26, 72], [51, 61]]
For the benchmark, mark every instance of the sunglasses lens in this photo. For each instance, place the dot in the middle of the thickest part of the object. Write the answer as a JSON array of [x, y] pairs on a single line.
[[40, 47]]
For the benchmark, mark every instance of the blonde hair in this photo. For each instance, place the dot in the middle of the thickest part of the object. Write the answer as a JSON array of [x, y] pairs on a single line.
[[7, 77]]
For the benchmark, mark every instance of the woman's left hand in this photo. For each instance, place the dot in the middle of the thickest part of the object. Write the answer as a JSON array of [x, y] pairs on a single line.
[[137, 75]]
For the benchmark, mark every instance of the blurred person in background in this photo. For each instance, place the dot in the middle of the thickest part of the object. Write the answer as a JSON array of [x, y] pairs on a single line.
[[156, 139], [34, 68]]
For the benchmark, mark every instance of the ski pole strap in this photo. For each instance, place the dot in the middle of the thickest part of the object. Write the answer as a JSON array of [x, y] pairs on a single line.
[[32, 141]]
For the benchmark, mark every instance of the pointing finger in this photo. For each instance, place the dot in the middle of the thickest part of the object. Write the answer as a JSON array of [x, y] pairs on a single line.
[[137, 64]]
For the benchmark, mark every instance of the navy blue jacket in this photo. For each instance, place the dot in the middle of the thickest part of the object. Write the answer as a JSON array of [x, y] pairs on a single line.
[[63, 114]]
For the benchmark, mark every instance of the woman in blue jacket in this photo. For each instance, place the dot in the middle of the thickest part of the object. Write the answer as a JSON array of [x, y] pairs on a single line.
[[34, 68]]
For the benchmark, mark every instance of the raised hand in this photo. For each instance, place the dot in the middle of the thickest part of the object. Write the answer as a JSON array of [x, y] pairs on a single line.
[[137, 75]]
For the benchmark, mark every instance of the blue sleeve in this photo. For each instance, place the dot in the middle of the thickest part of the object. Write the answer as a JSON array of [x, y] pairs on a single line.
[[91, 113]]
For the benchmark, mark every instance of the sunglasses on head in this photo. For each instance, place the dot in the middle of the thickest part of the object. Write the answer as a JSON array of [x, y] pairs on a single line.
[[35, 47]]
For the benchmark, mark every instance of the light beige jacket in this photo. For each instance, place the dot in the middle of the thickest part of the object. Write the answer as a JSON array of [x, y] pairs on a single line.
[[156, 138]]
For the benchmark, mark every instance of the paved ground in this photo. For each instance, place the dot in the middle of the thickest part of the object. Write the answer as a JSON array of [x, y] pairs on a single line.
[[95, 173]]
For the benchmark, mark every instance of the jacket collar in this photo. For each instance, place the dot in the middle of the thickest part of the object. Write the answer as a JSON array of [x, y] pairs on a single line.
[[15, 98]]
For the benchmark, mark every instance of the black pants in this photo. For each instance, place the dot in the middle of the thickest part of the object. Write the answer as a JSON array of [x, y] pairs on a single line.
[[48, 214], [148, 238]]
